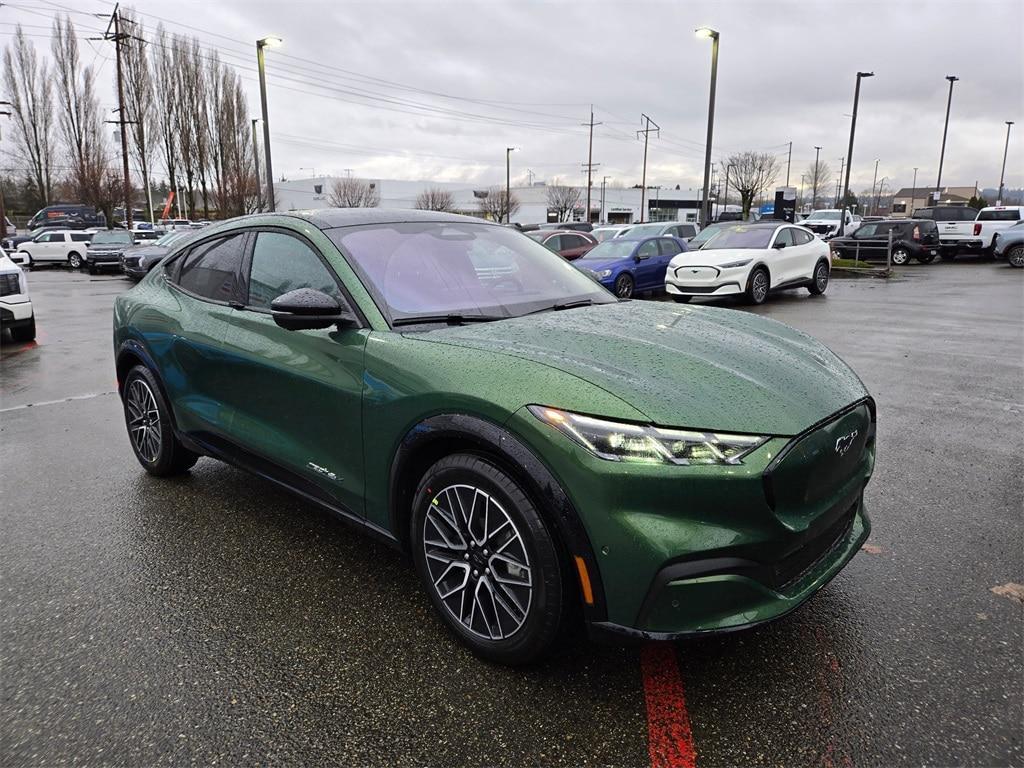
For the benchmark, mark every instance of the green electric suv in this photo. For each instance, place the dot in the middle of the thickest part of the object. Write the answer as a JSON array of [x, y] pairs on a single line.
[[545, 452]]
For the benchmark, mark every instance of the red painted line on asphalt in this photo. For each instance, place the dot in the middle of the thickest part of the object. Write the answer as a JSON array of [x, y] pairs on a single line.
[[24, 348], [669, 738]]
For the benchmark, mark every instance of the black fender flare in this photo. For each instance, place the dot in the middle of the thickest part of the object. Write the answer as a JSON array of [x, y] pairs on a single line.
[[542, 485]]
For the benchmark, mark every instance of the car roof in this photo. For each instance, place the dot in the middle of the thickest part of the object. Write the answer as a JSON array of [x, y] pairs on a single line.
[[331, 218]]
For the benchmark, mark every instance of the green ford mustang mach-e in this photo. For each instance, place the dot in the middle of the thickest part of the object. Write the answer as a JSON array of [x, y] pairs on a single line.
[[541, 449]]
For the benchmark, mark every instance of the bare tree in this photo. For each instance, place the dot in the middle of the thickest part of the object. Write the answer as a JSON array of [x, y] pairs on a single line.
[[563, 200], [353, 193], [751, 174], [435, 199], [497, 205], [30, 91], [81, 125], [162, 63], [140, 103], [197, 107], [818, 175]]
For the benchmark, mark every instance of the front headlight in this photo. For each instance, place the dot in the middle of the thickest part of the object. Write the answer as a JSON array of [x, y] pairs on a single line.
[[604, 273], [732, 264], [619, 441]]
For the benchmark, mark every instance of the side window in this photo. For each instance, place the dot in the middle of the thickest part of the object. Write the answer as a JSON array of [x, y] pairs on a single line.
[[574, 241], [213, 269], [669, 247], [282, 263], [686, 230], [80, 238], [648, 249], [785, 235], [803, 238], [554, 243], [47, 237]]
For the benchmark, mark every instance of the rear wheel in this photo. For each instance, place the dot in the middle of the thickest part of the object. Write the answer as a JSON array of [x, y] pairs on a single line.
[[820, 280], [148, 419], [624, 286], [1015, 256], [488, 562], [757, 286], [900, 256], [74, 260]]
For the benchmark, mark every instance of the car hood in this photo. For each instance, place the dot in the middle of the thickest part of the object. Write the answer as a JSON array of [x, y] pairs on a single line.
[[148, 251], [715, 256], [828, 222], [698, 367]]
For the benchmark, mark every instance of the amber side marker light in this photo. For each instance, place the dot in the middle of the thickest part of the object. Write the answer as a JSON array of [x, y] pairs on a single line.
[[588, 593]]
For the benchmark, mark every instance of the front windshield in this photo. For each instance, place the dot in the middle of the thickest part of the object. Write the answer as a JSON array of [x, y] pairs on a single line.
[[646, 230], [741, 236], [825, 215], [431, 270], [111, 236], [705, 234], [603, 234], [609, 250], [170, 237]]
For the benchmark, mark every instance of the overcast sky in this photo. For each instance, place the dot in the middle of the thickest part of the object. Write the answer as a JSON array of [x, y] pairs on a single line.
[[525, 73]]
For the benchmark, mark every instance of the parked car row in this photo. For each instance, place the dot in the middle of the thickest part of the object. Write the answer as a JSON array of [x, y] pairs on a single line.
[[964, 229]]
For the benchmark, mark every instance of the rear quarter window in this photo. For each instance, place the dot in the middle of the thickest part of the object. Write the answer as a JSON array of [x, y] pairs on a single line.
[[1012, 214]]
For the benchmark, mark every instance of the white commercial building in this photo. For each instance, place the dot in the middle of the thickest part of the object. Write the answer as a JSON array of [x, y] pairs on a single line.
[[618, 205]]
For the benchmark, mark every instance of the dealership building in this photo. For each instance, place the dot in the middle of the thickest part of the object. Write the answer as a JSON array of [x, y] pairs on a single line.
[[616, 205]]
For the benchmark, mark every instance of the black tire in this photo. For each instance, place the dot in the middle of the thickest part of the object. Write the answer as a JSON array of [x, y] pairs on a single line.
[[757, 291], [681, 299], [25, 333], [624, 286], [150, 429], [900, 256], [819, 281], [531, 633], [947, 254], [925, 258], [75, 260], [28, 258], [1015, 256]]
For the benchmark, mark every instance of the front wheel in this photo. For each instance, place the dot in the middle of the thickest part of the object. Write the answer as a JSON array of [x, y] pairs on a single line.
[[25, 332], [28, 258], [147, 416], [487, 560], [1015, 256], [757, 286], [820, 280], [74, 260], [624, 286]]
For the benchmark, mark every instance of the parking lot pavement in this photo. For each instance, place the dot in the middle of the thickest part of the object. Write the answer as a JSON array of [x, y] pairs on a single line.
[[214, 619]]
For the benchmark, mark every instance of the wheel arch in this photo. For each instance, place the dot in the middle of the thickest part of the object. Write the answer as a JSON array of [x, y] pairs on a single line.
[[443, 434], [133, 352]]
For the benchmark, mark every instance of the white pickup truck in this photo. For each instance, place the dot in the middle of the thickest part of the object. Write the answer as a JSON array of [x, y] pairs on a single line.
[[965, 229], [825, 222]]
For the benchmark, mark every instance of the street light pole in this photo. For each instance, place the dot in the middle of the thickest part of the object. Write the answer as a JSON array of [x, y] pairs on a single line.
[[849, 151], [256, 165], [705, 203], [942, 153], [604, 182], [1002, 173], [874, 180], [266, 42], [814, 193], [508, 184]]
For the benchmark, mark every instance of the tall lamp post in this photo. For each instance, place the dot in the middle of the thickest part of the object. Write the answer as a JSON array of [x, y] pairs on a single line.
[[874, 181], [256, 164], [508, 183], [271, 41], [604, 183], [945, 128], [814, 192], [1002, 173], [705, 206], [849, 151]]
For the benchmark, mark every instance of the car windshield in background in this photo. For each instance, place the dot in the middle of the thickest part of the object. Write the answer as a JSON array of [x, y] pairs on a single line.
[[538, 234], [706, 234], [1011, 214], [112, 237], [608, 251], [171, 237], [431, 271], [603, 234], [646, 230], [825, 215], [741, 237]]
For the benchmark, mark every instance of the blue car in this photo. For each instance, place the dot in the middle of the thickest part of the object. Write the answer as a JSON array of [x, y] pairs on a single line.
[[626, 265]]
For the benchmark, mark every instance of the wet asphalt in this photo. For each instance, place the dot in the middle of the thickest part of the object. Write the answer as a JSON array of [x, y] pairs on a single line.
[[215, 620]]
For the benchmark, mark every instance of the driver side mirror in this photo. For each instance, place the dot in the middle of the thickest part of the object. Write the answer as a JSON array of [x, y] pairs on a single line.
[[307, 308], [779, 244], [640, 256]]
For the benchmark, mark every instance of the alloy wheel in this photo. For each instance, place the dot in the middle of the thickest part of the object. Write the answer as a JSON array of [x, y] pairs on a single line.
[[821, 278], [144, 420], [624, 286], [900, 257], [760, 286], [75, 261], [1016, 256], [477, 562]]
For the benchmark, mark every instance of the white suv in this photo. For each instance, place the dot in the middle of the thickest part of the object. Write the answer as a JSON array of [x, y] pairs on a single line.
[[57, 246], [16, 310]]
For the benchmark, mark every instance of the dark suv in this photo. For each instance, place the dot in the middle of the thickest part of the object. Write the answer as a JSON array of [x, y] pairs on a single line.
[[911, 239]]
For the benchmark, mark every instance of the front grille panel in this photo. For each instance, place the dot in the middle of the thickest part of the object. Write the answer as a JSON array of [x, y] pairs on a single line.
[[10, 284], [794, 566]]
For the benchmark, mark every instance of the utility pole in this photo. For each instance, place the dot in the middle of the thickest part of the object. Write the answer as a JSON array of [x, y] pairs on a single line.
[[725, 202], [713, 36], [646, 130], [508, 183], [590, 159], [789, 161], [266, 42], [256, 165], [3, 208], [604, 183], [913, 194], [874, 180], [529, 177], [945, 129], [839, 179], [814, 191], [119, 37], [849, 152], [1002, 173]]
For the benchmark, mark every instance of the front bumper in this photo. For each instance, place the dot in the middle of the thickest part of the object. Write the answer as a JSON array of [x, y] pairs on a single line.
[[103, 260]]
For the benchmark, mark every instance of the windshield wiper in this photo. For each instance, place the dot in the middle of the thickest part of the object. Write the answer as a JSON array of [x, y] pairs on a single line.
[[449, 319]]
